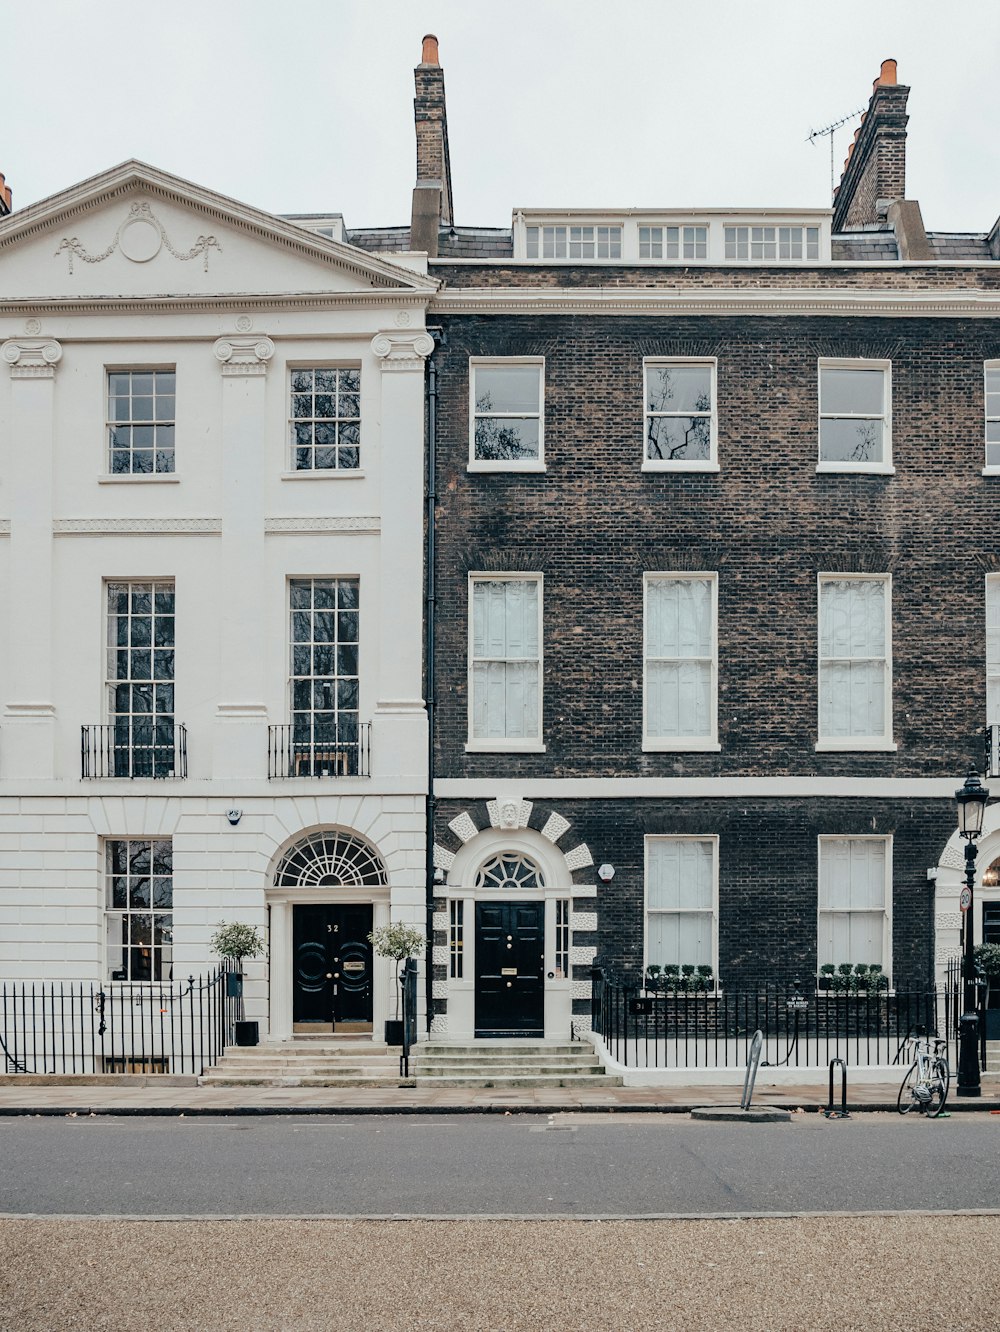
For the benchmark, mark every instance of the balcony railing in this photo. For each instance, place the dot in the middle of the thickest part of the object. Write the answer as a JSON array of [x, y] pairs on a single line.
[[157, 748], [343, 751]]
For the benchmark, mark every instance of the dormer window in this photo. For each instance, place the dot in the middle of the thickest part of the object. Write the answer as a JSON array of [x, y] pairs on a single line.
[[574, 242], [772, 243], [673, 242]]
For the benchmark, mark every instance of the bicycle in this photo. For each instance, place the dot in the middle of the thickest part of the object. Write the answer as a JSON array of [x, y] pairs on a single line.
[[927, 1079]]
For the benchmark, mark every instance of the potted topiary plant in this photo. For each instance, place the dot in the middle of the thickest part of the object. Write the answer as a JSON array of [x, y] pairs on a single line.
[[234, 941], [400, 942], [826, 973]]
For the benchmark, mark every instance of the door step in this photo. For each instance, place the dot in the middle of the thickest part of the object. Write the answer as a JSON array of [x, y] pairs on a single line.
[[508, 1064]]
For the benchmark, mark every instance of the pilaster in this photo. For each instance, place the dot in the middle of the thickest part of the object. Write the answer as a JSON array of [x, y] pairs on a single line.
[[402, 735], [239, 748], [29, 720]]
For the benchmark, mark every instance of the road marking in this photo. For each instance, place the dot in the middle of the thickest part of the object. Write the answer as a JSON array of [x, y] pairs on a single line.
[[591, 1217]]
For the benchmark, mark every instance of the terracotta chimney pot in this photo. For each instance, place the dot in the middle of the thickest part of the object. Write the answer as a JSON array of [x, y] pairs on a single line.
[[429, 53], [886, 76]]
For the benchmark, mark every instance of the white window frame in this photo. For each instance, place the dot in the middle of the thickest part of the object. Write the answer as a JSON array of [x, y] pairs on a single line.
[[501, 744], [886, 839], [506, 464], [882, 468], [152, 911], [711, 838], [989, 469], [142, 478], [320, 473], [992, 595], [850, 744], [682, 743], [709, 464]]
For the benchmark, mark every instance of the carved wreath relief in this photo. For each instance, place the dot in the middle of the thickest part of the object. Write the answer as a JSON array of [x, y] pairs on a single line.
[[140, 238]]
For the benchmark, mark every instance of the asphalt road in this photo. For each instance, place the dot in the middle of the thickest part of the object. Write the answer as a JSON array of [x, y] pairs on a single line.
[[567, 1165]]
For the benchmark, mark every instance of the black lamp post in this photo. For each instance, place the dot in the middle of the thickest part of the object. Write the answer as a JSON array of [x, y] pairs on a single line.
[[971, 800]]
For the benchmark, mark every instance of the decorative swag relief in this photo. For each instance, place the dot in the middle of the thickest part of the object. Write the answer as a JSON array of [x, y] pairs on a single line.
[[140, 238]]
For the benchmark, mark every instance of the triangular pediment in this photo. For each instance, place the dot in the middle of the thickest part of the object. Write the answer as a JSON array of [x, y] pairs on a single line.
[[138, 232]]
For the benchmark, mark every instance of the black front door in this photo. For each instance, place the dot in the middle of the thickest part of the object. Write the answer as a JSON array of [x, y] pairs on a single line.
[[510, 987], [991, 935], [333, 963]]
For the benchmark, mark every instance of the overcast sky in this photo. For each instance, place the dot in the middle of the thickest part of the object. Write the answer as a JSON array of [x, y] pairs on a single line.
[[306, 105]]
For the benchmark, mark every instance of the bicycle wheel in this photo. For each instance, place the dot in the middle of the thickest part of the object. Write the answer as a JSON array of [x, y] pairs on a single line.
[[939, 1081], [906, 1099]]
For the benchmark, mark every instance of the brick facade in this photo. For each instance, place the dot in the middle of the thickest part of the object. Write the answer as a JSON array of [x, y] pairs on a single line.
[[593, 523]]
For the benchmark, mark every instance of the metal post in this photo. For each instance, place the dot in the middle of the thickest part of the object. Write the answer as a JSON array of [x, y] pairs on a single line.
[[968, 1023], [842, 1112]]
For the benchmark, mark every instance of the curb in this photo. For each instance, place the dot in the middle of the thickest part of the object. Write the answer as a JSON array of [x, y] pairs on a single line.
[[263, 1111]]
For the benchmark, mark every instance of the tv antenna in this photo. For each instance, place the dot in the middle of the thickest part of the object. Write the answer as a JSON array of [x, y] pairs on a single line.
[[829, 131]]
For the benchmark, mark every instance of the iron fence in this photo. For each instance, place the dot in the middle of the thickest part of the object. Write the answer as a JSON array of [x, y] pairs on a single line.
[[85, 1027], [127, 748], [657, 1029], [408, 986], [334, 751], [956, 987]]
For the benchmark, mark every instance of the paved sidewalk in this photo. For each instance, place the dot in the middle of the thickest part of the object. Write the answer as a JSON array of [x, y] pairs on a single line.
[[150, 1099]]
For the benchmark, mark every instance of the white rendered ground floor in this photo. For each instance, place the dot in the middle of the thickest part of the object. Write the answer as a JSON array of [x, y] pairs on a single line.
[[127, 889]]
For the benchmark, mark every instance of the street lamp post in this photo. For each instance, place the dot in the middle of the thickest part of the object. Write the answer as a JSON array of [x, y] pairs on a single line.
[[971, 800]]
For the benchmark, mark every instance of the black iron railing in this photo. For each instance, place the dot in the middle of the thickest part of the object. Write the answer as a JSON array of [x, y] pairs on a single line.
[[86, 1027], [646, 1028], [408, 986], [157, 748], [983, 997], [342, 751]]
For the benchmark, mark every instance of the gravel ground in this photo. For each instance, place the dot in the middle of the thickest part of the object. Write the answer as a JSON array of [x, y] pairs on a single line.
[[909, 1272]]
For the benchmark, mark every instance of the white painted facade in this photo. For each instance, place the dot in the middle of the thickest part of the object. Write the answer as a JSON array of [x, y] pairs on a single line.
[[137, 269]]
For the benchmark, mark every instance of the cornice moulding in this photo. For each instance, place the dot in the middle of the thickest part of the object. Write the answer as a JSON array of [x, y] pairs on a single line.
[[235, 301], [136, 526], [602, 301]]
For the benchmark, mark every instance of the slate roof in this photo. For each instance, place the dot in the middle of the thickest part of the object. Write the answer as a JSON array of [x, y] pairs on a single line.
[[959, 245], [864, 247], [453, 243]]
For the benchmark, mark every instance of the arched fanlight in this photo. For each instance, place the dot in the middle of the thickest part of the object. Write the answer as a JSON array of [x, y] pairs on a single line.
[[510, 871], [331, 860]]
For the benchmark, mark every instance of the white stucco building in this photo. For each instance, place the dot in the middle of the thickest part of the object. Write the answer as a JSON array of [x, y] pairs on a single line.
[[211, 699]]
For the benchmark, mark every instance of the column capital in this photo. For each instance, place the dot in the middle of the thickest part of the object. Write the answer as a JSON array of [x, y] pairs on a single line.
[[402, 351], [244, 356], [32, 358]]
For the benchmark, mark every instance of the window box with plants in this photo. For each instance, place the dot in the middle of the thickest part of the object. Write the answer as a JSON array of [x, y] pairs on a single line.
[[852, 979], [679, 979]]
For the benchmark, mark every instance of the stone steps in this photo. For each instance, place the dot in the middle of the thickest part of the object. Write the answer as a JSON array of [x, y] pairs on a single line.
[[508, 1064], [309, 1063]]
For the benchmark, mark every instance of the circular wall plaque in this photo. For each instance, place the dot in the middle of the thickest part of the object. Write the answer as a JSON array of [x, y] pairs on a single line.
[[140, 240]]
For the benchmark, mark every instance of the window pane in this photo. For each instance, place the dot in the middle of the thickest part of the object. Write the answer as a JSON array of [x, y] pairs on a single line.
[[507, 388], [678, 699], [844, 440], [500, 438], [679, 388], [852, 700], [678, 438], [679, 617], [679, 873], [853, 617], [855, 392]]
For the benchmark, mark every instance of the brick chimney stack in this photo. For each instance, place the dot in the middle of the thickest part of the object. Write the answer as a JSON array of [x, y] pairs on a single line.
[[875, 167], [432, 206], [6, 204]]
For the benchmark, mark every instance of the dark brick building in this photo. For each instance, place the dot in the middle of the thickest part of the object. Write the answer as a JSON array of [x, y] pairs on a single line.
[[715, 545]]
